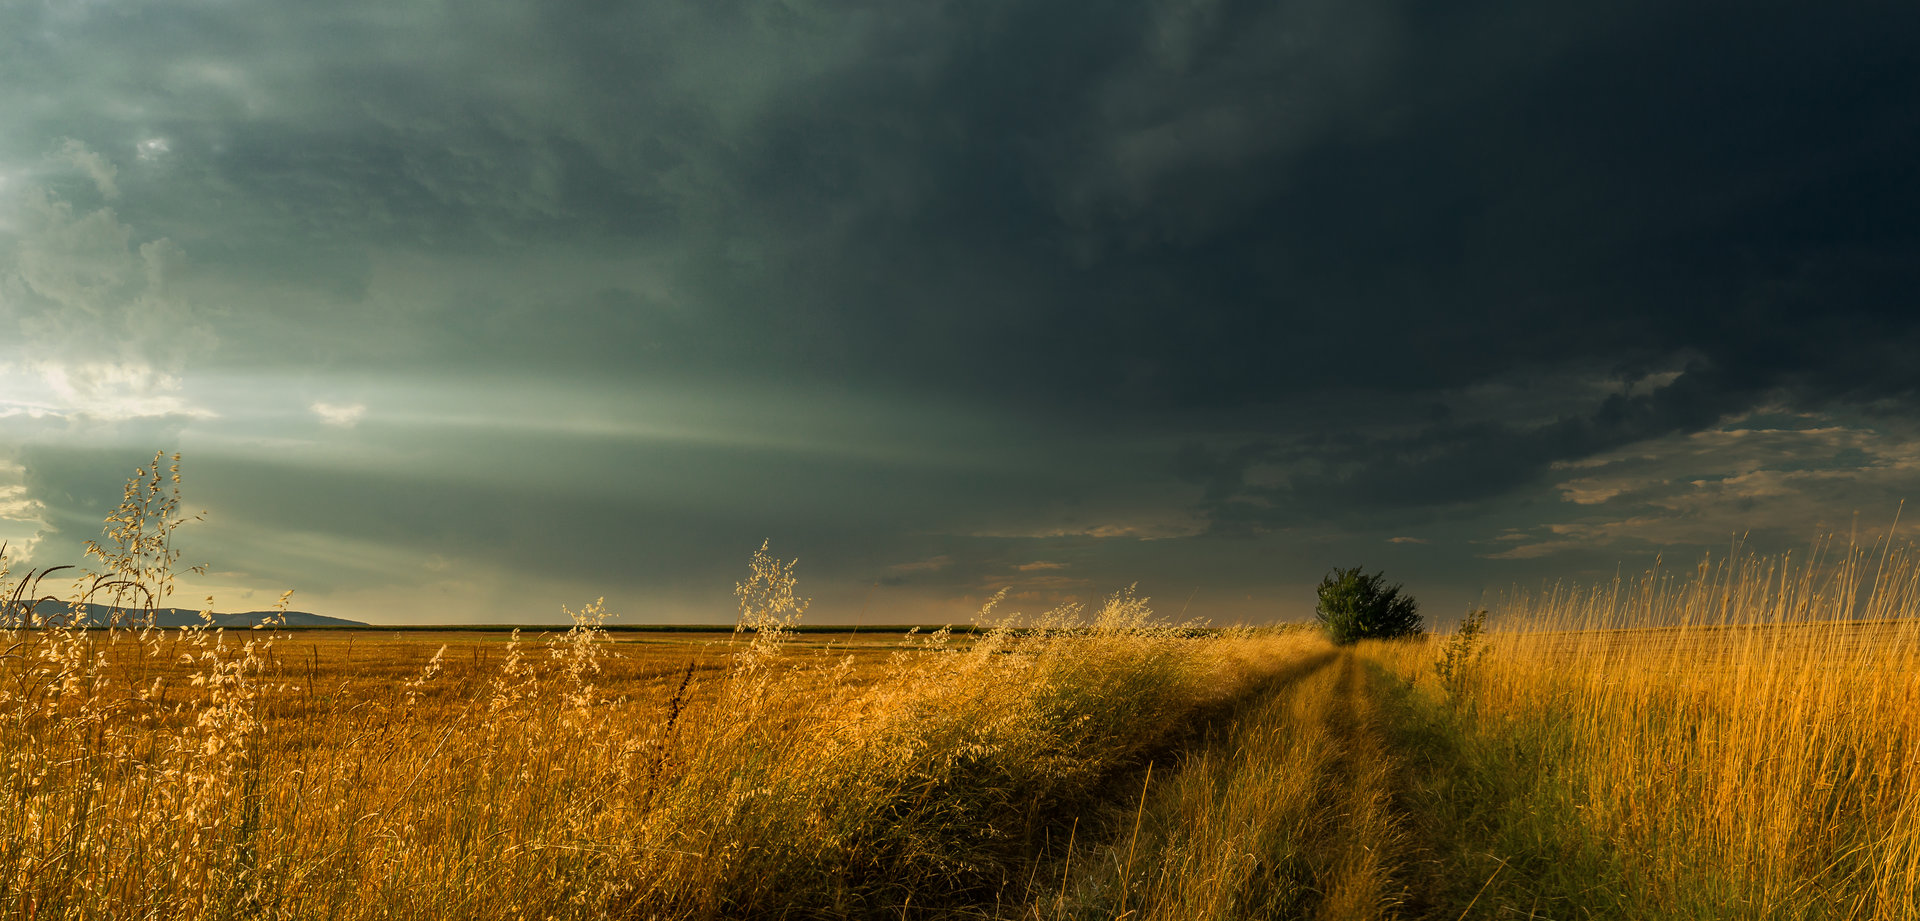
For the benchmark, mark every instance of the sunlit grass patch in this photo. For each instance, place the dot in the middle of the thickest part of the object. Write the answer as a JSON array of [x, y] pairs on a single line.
[[208, 774], [1739, 741]]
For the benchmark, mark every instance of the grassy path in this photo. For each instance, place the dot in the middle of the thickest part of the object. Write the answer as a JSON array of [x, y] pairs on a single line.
[[1359, 827], [1338, 793], [1286, 810], [1353, 791]]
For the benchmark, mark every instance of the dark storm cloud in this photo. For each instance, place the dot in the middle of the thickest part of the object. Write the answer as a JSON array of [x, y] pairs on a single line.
[[1224, 268], [1396, 204], [1163, 204], [1443, 463]]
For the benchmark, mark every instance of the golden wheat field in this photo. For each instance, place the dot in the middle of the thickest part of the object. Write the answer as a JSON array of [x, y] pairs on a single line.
[[1740, 740]]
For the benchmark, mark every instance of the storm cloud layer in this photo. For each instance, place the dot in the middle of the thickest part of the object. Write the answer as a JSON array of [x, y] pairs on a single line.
[[464, 311]]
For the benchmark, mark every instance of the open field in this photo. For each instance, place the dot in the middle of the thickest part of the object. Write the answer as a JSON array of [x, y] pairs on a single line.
[[328, 668], [1714, 746], [347, 775]]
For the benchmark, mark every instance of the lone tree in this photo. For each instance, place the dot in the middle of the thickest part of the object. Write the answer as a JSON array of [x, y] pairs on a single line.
[[1356, 606]]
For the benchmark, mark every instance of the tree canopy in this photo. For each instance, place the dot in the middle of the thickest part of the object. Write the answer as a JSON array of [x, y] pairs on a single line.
[[1357, 606]]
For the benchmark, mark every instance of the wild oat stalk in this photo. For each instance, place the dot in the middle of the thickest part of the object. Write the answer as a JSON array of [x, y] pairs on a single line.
[[135, 556]]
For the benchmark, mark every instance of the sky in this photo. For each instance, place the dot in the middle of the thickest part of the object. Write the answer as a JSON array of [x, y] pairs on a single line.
[[466, 312]]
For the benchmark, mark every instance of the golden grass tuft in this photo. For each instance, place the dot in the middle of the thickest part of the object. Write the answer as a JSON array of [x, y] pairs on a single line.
[[1741, 740]]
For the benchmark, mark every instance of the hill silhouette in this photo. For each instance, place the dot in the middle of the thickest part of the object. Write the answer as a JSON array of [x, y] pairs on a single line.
[[98, 615]]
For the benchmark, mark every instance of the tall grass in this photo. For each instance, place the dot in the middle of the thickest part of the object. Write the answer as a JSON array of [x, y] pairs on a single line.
[[1741, 740], [1737, 741], [188, 774]]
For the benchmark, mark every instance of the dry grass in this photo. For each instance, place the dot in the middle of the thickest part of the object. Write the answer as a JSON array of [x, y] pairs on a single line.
[[1741, 741], [759, 781], [269, 774], [1738, 741]]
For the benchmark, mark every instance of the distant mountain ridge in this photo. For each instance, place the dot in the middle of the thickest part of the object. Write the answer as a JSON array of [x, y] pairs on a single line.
[[98, 615]]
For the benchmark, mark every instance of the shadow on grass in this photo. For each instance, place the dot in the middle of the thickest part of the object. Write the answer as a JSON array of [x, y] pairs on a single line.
[[1114, 825], [1492, 831], [997, 835]]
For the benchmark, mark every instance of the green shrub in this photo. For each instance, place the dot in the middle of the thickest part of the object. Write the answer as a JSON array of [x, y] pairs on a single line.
[[1356, 606], [1462, 649]]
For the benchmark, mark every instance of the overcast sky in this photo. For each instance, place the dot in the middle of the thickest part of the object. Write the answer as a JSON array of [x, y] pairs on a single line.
[[466, 311]]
